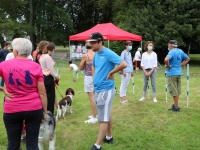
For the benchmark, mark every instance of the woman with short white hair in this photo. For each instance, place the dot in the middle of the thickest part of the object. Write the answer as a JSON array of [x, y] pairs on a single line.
[[25, 95]]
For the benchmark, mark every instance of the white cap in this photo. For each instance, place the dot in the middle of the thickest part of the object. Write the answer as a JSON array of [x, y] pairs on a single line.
[[139, 49]]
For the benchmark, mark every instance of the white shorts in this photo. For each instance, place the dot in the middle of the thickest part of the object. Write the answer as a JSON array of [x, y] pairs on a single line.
[[88, 84]]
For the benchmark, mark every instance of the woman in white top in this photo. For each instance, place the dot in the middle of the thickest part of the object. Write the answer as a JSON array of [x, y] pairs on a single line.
[[47, 63], [149, 65], [137, 59]]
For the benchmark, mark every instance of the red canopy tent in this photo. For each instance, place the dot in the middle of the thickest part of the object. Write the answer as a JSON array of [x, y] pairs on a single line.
[[109, 32]]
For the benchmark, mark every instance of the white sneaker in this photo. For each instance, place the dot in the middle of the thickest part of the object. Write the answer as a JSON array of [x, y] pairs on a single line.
[[92, 120], [155, 100], [91, 117], [141, 99]]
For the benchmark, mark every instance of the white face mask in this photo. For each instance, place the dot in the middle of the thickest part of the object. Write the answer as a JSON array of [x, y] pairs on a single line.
[[9, 48]]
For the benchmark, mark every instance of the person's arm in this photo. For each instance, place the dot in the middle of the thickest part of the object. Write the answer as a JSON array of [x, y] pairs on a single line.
[[142, 64], [119, 67], [49, 64], [154, 65], [185, 61], [82, 63], [43, 96], [7, 95], [93, 71], [166, 61]]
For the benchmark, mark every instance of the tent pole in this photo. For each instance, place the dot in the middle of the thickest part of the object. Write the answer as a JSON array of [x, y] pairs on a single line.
[[141, 45], [108, 44], [69, 50]]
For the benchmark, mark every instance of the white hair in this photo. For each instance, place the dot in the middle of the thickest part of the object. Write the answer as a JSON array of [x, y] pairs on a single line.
[[22, 45]]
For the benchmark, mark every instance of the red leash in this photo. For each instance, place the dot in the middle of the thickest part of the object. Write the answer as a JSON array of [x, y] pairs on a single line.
[[58, 90]]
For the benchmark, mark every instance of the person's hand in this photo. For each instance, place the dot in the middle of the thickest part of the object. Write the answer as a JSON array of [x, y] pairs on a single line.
[[146, 73], [47, 72], [8, 96], [124, 73], [44, 117], [57, 81], [131, 74], [168, 67], [110, 76]]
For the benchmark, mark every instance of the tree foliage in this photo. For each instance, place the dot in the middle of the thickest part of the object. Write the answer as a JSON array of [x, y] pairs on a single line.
[[56, 20]]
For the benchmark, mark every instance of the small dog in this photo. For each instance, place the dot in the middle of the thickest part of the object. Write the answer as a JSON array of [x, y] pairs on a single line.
[[47, 132], [65, 103]]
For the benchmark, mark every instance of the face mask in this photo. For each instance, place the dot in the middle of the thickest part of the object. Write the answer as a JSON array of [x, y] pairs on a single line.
[[129, 48], [169, 49], [150, 48], [8, 48]]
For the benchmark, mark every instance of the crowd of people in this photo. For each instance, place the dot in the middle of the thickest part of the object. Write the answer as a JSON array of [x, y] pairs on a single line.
[[30, 87]]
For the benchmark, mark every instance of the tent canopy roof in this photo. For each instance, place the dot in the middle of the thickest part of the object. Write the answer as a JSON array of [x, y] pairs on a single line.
[[109, 32]]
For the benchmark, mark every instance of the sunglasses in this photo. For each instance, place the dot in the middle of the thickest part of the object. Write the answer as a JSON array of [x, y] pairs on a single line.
[[93, 42]]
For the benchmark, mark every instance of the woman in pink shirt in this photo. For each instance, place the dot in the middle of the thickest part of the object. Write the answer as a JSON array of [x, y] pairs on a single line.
[[25, 95]]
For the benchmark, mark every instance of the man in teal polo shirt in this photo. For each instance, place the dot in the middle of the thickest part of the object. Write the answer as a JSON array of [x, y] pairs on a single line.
[[174, 60], [104, 67]]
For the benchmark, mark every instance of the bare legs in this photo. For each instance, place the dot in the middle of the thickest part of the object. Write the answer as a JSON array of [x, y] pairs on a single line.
[[92, 103], [105, 128], [176, 100]]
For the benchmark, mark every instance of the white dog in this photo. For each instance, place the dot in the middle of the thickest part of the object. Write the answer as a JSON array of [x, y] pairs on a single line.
[[47, 132], [65, 104]]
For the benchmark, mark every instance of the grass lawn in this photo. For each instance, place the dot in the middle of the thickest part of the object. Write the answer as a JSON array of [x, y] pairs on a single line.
[[62, 48], [137, 126]]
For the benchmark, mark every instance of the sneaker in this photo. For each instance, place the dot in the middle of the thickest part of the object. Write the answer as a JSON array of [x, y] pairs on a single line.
[[141, 99], [175, 108], [111, 141], [95, 148], [92, 120], [91, 116], [155, 100]]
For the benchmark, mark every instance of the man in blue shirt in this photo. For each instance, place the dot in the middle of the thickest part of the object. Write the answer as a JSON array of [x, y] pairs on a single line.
[[174, 60], [3, 53], [104, 67]]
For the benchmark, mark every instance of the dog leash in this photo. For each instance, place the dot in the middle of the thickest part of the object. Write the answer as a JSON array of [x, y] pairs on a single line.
[[58, 91]]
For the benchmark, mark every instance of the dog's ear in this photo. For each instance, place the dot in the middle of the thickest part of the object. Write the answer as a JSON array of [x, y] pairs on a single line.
[[66, 93], [72, 91]]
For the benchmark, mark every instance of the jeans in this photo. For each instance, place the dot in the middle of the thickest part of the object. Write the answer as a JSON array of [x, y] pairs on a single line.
[[13, 123], [153, 82]]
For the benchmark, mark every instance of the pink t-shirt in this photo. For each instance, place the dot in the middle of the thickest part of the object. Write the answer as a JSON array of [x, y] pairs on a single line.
[[21, 77]]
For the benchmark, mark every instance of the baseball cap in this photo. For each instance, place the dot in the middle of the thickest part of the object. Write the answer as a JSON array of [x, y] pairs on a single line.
[[96, 36], [173, 43]]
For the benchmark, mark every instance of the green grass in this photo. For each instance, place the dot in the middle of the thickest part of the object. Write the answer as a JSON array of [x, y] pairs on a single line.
[[62, 48], [195, 59], [138, 126]]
